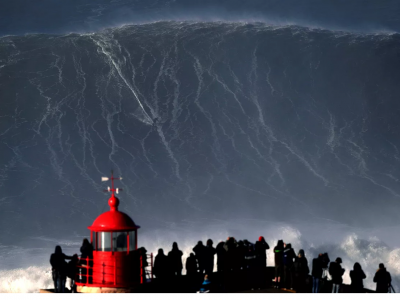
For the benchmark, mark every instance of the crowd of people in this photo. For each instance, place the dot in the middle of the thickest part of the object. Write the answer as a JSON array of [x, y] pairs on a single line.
[[239, 263], [291, 269]]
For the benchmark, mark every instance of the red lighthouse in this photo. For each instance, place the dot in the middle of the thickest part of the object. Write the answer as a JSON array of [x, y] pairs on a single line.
[[116, 265]]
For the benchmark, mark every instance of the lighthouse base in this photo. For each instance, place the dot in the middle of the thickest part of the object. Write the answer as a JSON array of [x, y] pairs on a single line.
[[98, 289]]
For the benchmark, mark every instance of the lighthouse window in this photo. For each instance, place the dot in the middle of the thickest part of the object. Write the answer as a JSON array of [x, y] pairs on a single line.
[[104, 241], [120, 241]]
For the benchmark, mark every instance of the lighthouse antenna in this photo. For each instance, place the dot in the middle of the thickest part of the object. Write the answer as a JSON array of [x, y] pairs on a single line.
[[112, 189]]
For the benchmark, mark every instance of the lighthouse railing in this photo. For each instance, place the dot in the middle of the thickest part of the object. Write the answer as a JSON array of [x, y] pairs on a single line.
[[88, 270]]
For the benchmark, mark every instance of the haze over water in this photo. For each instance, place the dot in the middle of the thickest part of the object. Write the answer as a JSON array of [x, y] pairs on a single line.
[[273, 118]]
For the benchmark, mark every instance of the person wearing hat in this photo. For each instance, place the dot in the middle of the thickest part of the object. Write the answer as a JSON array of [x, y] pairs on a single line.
[[336, 271]]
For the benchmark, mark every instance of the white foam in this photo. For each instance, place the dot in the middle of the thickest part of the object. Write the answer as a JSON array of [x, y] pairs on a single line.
[[28, 280]]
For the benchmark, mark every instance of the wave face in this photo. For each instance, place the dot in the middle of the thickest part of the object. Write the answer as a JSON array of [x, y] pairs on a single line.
[[210, 124]]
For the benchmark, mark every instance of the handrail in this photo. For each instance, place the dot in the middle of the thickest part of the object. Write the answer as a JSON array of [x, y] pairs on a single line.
[[108, 269]]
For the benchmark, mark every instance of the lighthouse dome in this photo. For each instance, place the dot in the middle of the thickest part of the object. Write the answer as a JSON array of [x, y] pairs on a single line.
[[113, 220]]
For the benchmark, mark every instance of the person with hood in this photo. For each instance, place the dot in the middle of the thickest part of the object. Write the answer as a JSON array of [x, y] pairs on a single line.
[[336, 271], [86, 260], [383, 279], [221, 252], [288, 256], [209, 253], [199, 251], [59, 269], [357, 275], [317, 271], [278, 252], [161, 266], [301, 271], [175, 260]]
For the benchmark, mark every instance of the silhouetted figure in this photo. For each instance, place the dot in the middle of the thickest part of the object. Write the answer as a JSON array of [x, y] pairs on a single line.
[[86, 260], [278, 252], [209, 253], [221, 252], [230, 247], [191, 265], [175, 259], [261, 248], [288, 260], [199, 250], [252, 266], [357, 275], [301, 271], [317, 271], [143, 262], [72, 270], [161, 266], [59, 269], [383, 279], [336, 271]]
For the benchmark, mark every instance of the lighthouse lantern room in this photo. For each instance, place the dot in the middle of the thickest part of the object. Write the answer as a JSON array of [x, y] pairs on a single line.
[[115, 262]]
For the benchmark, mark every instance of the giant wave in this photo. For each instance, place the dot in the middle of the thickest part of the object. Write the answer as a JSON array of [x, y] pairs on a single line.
[[209, 123]]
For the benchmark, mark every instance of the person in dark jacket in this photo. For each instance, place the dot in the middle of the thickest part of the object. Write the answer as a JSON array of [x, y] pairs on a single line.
[[288, 259], [261, 248], [199, 251], [209, 253], [357, 275], [251, 266], [317, 271], [336, 271], [59, 269], [161, 266], [278, 251], [301, 271], [230, 247], [383, 279], [175, 260], [72, 270], [221, 252], [86, 260], [191, 265]]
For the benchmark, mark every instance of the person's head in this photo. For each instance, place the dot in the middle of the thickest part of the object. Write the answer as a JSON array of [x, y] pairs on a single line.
[[261, 239], [161, 251], [75, 258], [280, 243], [209, 242], [205, 277], [301, 253], [58, 250], [200, 243], [357, 267], [381, 266], [85, 242], [338, 260], [175, 245]]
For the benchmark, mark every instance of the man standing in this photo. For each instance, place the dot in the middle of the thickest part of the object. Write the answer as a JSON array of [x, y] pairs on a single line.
[[383, 279]]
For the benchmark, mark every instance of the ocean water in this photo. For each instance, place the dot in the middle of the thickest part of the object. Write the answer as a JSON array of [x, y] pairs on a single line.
[[219, 128]]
